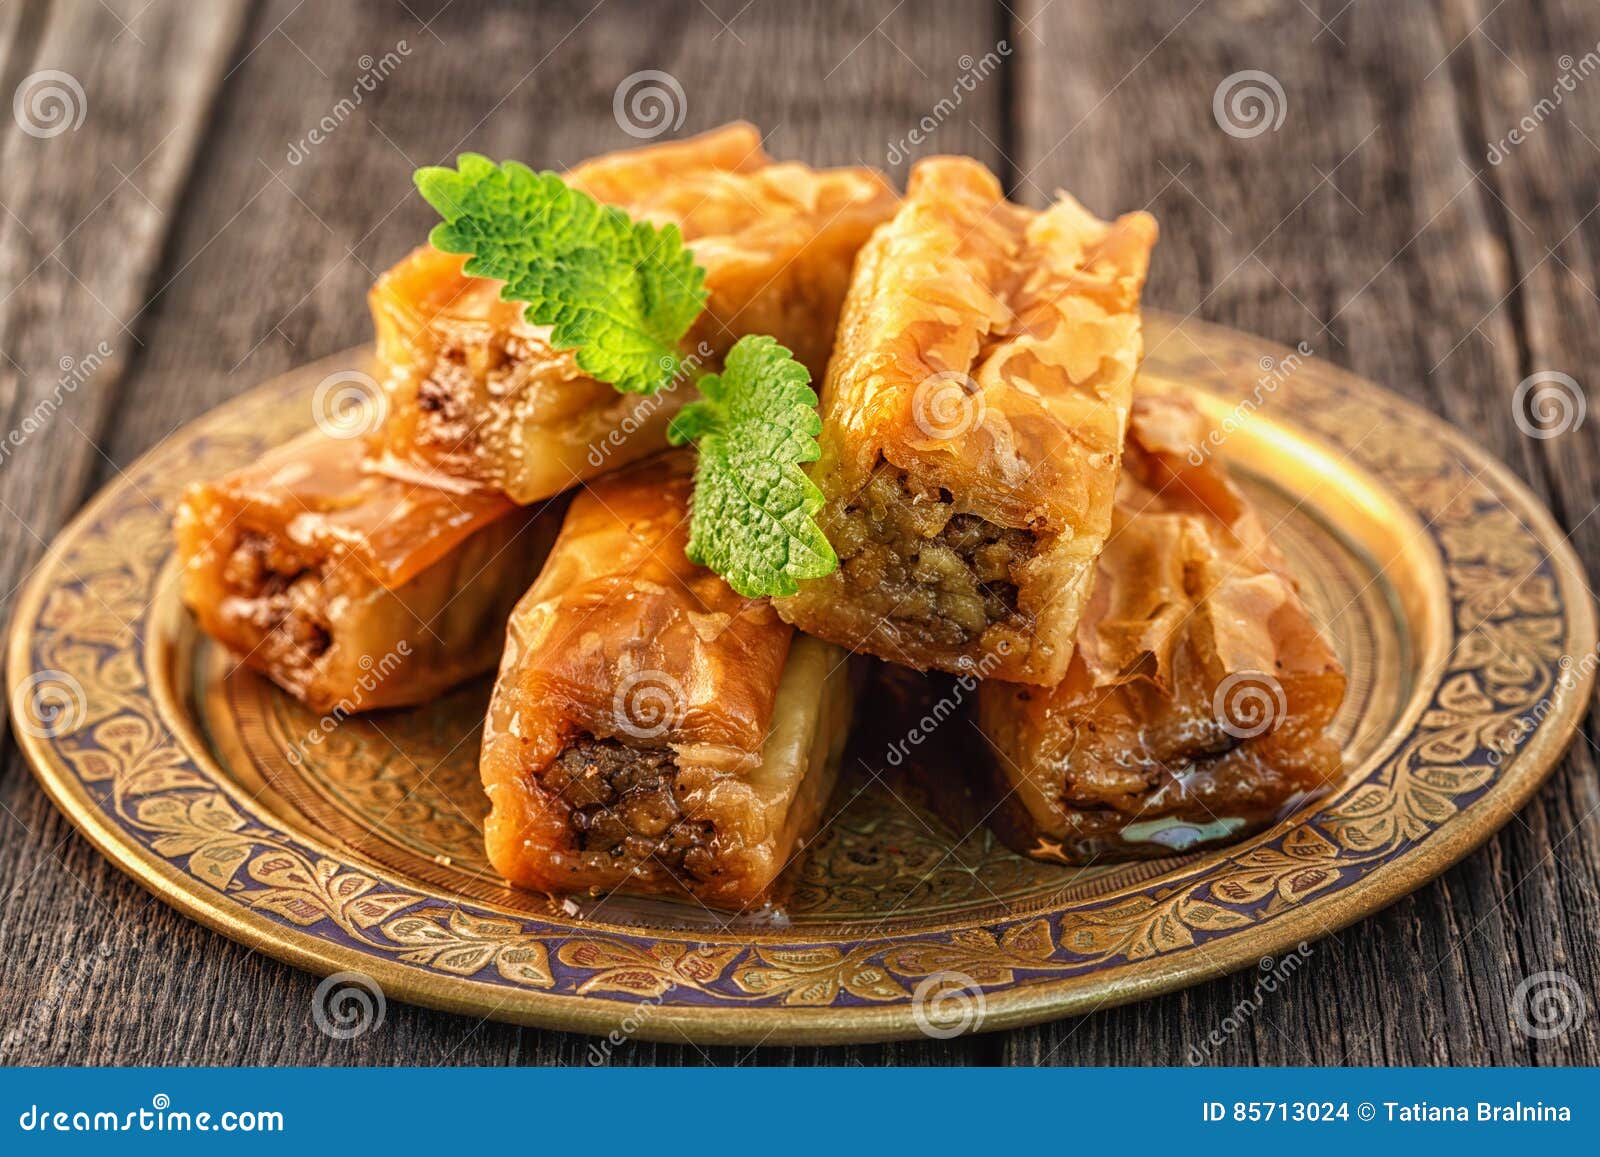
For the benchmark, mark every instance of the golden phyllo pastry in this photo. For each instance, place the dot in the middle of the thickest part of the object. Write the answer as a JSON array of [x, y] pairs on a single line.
[[973, 418], [476, 392], [1196, 705], [349, 589], [651, 730]]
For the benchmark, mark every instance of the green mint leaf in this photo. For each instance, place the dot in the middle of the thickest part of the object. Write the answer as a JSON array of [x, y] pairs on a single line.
[[751, 519], [622, 293]]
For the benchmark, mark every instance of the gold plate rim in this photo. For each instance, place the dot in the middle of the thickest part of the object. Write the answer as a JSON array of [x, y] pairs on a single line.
[[1006, 1005]]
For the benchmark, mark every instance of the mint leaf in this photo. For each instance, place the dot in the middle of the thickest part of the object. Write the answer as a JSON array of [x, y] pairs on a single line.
[[751, 515], [622, 293]]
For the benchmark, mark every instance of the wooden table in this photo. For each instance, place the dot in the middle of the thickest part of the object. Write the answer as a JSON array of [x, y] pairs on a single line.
[[192, 224]]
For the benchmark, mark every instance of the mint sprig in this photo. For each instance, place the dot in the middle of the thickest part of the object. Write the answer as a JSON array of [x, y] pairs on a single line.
[[623, 294]]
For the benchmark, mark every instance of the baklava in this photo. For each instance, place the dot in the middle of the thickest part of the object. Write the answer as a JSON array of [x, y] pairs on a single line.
[[650, 730], [351, 590], [476, 392], [973, 419], [1196, 706]]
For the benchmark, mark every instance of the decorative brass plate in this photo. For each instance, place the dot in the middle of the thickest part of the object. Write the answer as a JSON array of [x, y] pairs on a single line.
[[1462, 616]]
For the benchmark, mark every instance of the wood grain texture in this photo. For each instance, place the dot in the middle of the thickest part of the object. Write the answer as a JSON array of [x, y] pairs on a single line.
[[187, 224]]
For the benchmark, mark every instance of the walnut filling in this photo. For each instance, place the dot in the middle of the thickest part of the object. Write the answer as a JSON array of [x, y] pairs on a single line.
[[276, 593], [939, 574], [445, 395], [472, 372], [623, 803]]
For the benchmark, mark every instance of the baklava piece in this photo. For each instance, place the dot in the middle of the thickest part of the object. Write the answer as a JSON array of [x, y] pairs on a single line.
[[973, 418], [652, 731], [349, 589], [1196, 706]]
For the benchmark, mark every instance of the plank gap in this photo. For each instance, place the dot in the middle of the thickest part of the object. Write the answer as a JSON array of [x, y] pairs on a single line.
[[1006, 28]]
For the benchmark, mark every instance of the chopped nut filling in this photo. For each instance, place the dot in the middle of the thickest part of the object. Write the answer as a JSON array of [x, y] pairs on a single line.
[[445, 395], [916, 560], [623, 803], [278, 594]]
